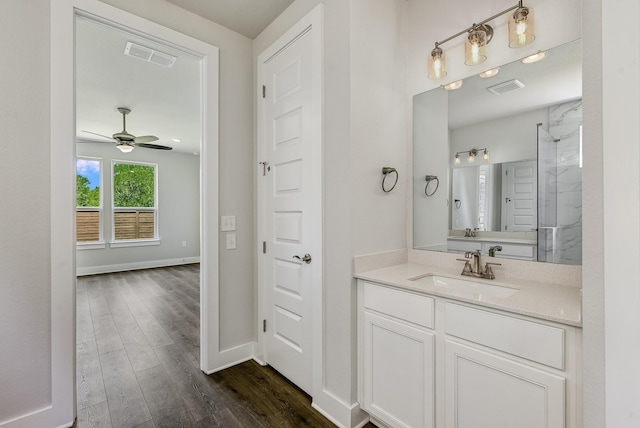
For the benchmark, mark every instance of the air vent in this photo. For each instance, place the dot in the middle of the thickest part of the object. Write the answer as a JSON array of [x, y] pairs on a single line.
[[504, 87], [150, 55]]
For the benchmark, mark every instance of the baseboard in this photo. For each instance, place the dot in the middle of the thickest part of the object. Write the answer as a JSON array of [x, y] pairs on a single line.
[[231, 357], [95, 270], [339, 412]]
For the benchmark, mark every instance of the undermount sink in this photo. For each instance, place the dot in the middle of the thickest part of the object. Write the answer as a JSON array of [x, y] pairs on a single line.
[[480, 288]]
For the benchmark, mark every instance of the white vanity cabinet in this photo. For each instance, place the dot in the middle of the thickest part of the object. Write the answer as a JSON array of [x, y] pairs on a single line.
[[397, 380], [505, 372], [429, 361]]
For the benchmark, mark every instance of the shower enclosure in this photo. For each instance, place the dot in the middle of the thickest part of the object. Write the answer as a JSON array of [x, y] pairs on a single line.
[[560, 185]]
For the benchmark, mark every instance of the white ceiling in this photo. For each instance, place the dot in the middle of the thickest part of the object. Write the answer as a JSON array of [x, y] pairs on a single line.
[[247, 17], [557, 78], [164, 102]]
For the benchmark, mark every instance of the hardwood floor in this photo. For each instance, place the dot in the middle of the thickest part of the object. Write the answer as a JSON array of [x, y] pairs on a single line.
[[137, 361]]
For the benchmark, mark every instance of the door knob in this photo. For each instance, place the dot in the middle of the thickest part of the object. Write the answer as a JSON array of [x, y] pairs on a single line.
[[306, 258]]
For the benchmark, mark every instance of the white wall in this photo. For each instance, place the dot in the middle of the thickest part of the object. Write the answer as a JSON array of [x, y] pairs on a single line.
[[178, 211], [612, 234], [430, 153], [25, 327], [237, 326], [556, 22], [508, 139], [593, 285]]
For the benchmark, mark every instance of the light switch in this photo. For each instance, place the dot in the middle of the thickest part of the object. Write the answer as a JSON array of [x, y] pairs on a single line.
[[228, 223], [231, 241]]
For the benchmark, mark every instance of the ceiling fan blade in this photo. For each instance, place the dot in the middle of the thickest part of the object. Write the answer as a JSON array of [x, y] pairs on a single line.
[[99, 135], [145, 139], [153, 146]]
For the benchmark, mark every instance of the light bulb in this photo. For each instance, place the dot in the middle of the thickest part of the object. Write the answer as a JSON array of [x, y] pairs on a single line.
[[485, 155], [474, 47], [456, 160], [436, 68], [475, 50], [471, 158], [521, 28]]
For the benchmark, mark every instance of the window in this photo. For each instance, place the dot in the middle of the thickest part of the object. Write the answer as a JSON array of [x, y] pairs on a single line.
[[88, 200], [134, 201]]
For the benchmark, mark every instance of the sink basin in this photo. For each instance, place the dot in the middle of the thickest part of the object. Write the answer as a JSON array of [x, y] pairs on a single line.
[[480, 288]]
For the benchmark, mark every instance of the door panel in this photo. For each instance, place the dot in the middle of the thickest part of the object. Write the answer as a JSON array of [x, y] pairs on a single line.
[[292, 201]]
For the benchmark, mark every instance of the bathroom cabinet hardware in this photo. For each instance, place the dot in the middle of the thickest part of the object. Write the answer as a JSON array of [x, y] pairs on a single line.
[[306, 258], [458, 203], [264, 326], [264, 91], [264, 247], [429, 179], [386, 170]]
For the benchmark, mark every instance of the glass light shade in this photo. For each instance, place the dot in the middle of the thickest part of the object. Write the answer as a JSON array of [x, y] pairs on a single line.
[[474, 47], [485, 155], [456, 159], [436, 68], [124, 147], [521, 28], [472, 157]]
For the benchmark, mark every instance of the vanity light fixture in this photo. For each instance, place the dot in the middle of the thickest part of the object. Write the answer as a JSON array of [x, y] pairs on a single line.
[[489, 73], [480, 34], [534, 58], [471, 156], [453, 85]]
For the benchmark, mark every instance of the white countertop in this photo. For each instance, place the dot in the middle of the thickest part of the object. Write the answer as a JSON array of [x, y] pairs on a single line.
[[540, 300]]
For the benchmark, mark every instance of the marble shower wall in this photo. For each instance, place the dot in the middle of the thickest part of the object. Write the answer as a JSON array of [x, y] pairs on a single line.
[[560, 235]]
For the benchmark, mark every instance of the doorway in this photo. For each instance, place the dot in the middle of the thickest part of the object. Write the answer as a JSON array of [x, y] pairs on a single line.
[[63, 257]]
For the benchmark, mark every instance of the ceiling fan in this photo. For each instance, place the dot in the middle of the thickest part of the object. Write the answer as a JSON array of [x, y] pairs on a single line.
[[125, 142]]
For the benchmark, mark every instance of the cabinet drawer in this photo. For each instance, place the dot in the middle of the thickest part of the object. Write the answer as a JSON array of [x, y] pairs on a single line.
[[536, 342], [415, 308], [513, 250], [463, 246]]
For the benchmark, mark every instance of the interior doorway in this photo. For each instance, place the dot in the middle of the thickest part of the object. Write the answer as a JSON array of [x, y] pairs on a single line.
[[156, 77]]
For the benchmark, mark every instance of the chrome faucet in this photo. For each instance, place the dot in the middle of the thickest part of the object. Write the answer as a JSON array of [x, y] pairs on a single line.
[[473, 267], [468, 233], [492, 250]]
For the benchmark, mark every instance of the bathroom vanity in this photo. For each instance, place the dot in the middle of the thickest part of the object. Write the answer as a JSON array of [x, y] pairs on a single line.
[[436, 349]]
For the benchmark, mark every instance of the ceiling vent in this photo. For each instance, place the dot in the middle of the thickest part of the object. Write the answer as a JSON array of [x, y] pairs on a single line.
[[504, 87], [150, 55]]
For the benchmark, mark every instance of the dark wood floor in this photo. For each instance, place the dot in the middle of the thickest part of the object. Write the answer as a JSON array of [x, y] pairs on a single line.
[[137, 361]]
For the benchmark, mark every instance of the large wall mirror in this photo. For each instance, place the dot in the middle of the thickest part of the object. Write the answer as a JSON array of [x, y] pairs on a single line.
[[507, 153]]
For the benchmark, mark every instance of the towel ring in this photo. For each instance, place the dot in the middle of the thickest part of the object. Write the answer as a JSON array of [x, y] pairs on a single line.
[[386, 170], [429, 179]]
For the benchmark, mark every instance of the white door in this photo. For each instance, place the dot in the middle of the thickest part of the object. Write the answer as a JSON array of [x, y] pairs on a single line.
[[291, 205], [399, 380], [520, 193], [488, 391]]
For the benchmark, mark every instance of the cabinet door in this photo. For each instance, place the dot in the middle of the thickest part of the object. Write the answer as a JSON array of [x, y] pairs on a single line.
[[487, 391], [398, 372]]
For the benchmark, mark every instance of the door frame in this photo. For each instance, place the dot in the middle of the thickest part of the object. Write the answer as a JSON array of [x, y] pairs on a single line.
[[63, 249], [310, 23]]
